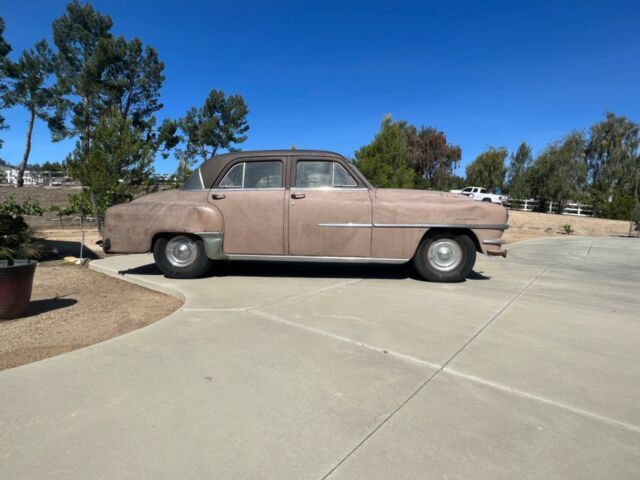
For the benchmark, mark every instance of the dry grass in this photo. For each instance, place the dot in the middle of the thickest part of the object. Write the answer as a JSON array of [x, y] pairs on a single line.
[[524, 225]]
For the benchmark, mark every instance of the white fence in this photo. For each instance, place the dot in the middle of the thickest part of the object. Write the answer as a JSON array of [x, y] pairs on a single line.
[[569, 208]]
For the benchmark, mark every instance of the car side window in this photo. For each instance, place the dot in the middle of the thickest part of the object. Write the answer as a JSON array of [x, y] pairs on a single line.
[[263, 175], [341, 177], [254, 175], [466, 190], [233, 178], [322, 173]]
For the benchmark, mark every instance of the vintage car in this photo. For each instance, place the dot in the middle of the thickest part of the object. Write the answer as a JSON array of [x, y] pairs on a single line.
[[302, 205]]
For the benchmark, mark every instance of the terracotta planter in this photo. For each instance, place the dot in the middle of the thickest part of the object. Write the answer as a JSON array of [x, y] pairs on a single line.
[[15, 287]]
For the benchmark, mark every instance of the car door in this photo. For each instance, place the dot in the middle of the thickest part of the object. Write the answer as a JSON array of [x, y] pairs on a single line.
[[251, 198], [329, 210]]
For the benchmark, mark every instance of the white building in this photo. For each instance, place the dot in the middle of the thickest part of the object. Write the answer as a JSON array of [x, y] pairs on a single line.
[[9, 175]]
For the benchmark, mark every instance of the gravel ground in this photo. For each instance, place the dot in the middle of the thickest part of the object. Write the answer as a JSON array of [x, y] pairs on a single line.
[[73, 307]]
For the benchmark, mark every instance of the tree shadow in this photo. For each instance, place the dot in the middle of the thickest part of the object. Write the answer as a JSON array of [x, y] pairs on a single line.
[[63, 248], [36, 307]]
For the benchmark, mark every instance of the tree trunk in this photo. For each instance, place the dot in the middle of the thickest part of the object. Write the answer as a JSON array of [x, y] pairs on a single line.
[[94, 207], [636, 185], [27, 150]]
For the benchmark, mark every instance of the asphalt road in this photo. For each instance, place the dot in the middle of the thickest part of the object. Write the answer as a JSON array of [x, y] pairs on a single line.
[[529, 369]]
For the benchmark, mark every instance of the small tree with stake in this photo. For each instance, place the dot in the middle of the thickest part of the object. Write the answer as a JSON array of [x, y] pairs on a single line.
[[118, 162]]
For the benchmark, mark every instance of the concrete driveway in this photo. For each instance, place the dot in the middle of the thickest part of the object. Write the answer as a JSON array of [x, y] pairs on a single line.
[[530, 369]]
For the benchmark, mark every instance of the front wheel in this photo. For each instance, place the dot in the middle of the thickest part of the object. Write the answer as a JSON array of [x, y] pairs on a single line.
[[181, 256], [445, 257]]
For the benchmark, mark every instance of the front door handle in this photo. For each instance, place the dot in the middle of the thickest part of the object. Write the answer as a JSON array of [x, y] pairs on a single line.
[[298, 195], [218, 196]]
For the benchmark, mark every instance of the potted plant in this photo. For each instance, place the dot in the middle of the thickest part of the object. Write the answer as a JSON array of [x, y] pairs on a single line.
[[19, 248]]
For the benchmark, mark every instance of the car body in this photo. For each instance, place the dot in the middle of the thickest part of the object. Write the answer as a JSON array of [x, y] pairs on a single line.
[[302, 205], [480, 194]]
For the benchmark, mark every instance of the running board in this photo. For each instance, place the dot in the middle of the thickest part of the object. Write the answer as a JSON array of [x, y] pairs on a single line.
[[318, 259]]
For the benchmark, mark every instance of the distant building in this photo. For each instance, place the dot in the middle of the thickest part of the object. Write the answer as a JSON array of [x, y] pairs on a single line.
[[9, 175]]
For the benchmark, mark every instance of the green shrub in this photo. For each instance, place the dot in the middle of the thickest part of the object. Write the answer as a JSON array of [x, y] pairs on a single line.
[[18, 240], [619, 208], [29, 207], [568, 229]]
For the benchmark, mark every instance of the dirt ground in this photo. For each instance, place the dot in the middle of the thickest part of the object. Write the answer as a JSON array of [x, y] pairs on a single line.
[[73, 307], [525, 225]]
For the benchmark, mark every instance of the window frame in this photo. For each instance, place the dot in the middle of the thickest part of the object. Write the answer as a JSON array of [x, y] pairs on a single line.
[[244, 161], [294, 175]]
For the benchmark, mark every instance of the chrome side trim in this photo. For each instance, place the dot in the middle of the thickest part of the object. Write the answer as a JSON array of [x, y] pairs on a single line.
[[496, 226], [240, 189], [200, 175], [493, 242], [348, 225], [331, 189], [317, 259], [472, 226], [213, 242]]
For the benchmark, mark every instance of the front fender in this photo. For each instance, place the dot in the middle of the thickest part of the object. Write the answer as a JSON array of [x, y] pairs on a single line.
[[131, 227]]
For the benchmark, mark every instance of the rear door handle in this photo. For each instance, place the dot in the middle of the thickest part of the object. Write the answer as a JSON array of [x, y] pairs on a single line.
[[298, 195], [218, 196]]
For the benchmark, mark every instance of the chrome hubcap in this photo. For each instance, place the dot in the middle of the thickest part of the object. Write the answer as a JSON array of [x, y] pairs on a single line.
[[181, 251], [444, 255]]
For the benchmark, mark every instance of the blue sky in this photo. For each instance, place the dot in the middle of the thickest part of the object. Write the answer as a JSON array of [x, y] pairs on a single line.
[[323, 74]]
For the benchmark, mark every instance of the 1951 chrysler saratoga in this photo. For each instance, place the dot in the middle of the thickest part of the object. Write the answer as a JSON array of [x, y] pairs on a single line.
[[302, 205]]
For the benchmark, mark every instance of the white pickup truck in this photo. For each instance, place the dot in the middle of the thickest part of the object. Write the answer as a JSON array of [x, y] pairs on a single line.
[[480, 194]]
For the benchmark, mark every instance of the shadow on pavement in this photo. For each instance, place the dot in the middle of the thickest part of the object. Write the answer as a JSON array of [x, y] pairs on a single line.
[[477, 276], [311, 269], [302, 270]]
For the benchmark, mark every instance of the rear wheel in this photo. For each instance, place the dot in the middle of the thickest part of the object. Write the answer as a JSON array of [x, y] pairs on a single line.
[[445, 257], [181, 256], [486, 200]]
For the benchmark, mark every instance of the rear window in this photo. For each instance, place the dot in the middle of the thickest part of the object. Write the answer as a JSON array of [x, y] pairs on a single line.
[[194, 182]]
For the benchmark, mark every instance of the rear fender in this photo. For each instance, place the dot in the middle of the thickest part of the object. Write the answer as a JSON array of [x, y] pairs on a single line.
[[133, 227]]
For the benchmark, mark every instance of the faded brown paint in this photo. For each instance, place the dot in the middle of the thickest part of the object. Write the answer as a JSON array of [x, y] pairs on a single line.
[[130, 227], [254, 220], [270, 222], [306, 215]]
